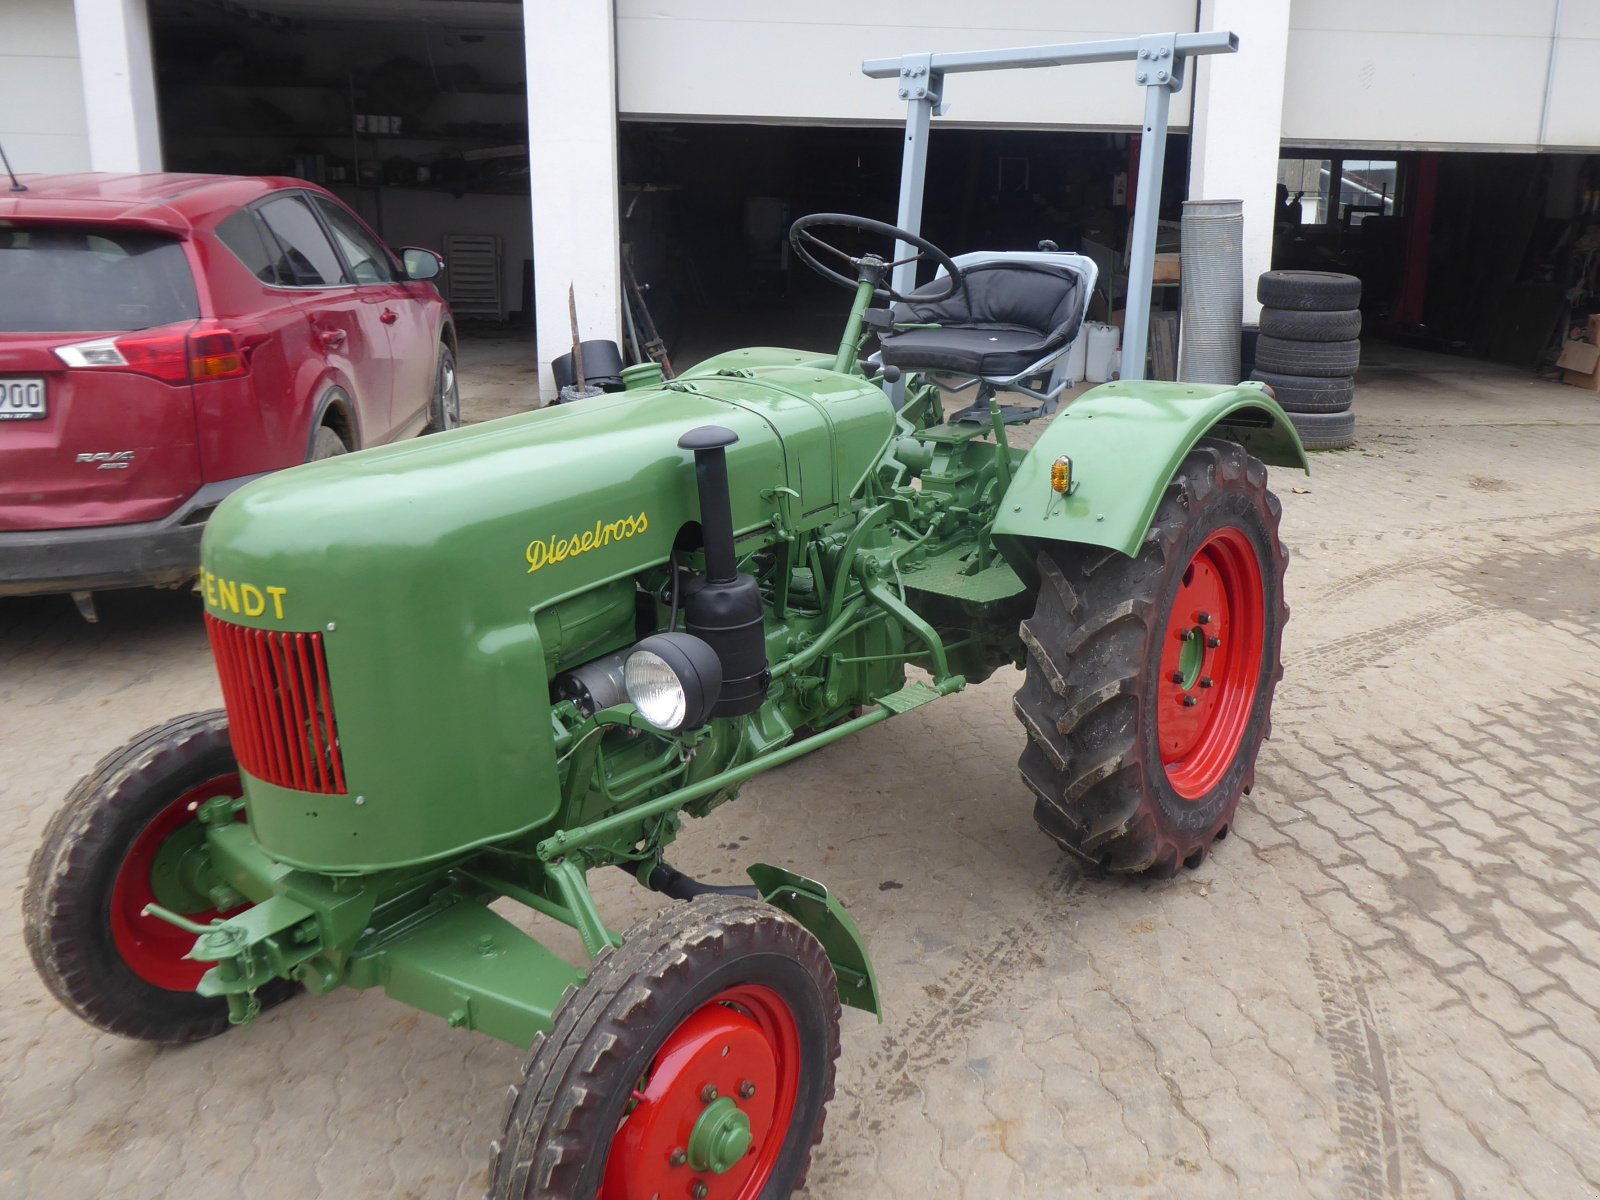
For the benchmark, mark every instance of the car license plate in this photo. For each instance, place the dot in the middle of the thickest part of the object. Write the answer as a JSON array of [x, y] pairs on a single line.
[[21, 399]]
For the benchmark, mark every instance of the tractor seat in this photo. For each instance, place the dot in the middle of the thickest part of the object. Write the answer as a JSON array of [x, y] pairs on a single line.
[[1010, 317]]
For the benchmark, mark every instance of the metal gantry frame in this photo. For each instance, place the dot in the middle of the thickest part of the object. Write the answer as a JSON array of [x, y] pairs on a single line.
[[1160, 66]]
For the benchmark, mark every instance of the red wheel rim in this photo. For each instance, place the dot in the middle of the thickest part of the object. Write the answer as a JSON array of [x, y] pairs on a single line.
[[154, 950], [744, 1044], [1211, 662]]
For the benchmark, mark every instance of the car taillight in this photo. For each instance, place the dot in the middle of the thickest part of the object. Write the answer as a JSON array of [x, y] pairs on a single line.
[[172, 355], [214, 355]]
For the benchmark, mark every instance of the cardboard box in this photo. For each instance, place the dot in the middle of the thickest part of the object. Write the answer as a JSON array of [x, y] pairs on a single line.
[[1580, 363], [1168, 269]]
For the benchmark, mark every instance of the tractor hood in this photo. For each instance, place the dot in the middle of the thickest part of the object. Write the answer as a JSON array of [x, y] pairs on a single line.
[[448, 577]]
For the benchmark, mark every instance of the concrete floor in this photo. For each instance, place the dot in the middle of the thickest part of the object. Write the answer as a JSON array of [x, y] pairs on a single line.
[[1385, 983]]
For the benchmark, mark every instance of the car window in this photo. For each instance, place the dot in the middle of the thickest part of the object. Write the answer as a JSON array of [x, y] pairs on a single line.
[[305, 254], [369, 261], [255, 248], [60, 278]]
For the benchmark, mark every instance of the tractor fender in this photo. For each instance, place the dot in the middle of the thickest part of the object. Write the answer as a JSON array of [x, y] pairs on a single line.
[[1126, 441], [810, 903]]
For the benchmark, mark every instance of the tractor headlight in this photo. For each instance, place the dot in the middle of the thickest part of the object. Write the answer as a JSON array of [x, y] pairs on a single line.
[[673, 680]]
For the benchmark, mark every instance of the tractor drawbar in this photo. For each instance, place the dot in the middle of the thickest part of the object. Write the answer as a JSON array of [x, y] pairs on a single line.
[[723, 607]]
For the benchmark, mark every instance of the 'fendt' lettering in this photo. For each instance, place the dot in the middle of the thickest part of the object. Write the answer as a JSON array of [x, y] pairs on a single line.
[[554, 550], [244, 599]]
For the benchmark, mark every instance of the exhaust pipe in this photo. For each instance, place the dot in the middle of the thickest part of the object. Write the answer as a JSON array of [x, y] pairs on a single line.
[[670, 881]]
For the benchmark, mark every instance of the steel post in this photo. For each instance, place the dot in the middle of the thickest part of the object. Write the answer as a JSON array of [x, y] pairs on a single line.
[[920, 87], [1142, 241]]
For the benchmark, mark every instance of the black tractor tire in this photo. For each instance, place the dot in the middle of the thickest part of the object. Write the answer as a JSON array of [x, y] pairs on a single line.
[[1309, 291], [1326, 431], [1327, 359], [326, 444], [1095, 685], [1312, 325], [67, 915], [444, 409], [608, 1033], [1309, 393]]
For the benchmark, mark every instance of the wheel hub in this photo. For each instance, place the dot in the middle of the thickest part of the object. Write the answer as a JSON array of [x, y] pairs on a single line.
[[1211, 662], [721, 1137]]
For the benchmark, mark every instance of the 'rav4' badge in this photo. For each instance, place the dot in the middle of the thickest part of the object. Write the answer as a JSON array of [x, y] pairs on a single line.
[[108, 460]]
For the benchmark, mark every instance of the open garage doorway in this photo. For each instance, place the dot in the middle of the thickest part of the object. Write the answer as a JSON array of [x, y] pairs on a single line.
[[413, 112], [706, 210]]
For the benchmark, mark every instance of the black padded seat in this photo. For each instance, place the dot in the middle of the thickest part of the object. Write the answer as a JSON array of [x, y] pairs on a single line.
[[1005, 317]]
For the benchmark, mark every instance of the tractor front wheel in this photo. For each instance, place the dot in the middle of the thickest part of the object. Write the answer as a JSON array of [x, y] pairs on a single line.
[[695, 1061], [128, 836], [1150, 679]]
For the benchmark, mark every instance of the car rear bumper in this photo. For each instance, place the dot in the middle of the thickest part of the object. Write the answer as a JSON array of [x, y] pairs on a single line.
[[161, 553]]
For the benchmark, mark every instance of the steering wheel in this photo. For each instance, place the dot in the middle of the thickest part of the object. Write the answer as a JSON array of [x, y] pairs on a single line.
[[802, 239]]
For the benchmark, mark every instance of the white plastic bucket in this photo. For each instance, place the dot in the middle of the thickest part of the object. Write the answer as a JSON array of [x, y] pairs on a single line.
[[1097, 357]]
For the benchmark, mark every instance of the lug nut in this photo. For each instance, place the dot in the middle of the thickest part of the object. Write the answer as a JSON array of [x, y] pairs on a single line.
[[678, 1157], [747, 1089], [1187, 636], [708, 1094], [1205, 682], [1204, 618], [1190, 701], [699, 1190], [1177, 677], [1213, 642]]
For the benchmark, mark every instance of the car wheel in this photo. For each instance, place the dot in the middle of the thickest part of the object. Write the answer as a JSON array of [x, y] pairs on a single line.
[[326, 444], [445, 410]]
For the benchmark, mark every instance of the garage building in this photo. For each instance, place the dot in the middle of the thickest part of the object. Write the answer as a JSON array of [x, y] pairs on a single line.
[[1439, 150]]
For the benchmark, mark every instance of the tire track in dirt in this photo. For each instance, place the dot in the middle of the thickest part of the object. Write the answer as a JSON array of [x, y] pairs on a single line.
[[1343, 656], [1372, 1134], [1432, 564], [931, 1034]]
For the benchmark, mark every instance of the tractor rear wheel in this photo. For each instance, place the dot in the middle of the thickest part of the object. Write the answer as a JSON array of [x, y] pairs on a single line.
[[1149, 680], [126, 836], [695, 1061]]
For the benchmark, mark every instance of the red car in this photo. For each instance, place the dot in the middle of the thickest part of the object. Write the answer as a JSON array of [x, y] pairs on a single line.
[[165, 339]]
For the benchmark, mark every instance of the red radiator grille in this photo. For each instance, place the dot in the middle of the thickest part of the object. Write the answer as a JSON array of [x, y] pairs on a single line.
[[280, 709]]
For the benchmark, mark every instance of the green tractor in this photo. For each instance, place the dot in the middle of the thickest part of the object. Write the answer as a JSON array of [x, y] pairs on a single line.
[[477, 667]]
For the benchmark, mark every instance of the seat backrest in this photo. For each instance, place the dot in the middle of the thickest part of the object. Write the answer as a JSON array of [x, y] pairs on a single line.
[[1044, 291]]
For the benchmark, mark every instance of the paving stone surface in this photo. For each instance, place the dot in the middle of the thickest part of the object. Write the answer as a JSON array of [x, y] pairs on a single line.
[[1384, 984]]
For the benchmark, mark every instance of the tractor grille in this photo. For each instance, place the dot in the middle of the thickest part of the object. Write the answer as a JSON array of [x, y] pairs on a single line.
[[280, 709]]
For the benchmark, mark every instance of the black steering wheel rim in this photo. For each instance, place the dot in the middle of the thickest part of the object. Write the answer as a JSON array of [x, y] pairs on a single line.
[[800, 233]]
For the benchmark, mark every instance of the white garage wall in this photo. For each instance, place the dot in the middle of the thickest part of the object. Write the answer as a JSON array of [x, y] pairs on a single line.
[[1572, 119], [1437, 73], [42, 124], [734, 59]]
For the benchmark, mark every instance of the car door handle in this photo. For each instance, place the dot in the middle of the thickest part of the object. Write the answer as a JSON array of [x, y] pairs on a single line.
[[388, 316], [331, 338]]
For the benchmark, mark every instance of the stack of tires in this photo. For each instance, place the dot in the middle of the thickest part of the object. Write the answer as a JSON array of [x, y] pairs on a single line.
[[1308, 351]]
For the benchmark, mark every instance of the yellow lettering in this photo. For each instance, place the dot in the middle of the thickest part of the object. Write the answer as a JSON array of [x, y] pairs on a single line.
[[254, 602], [228, 591], [209, 582], [277, 594], [556, 549]]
